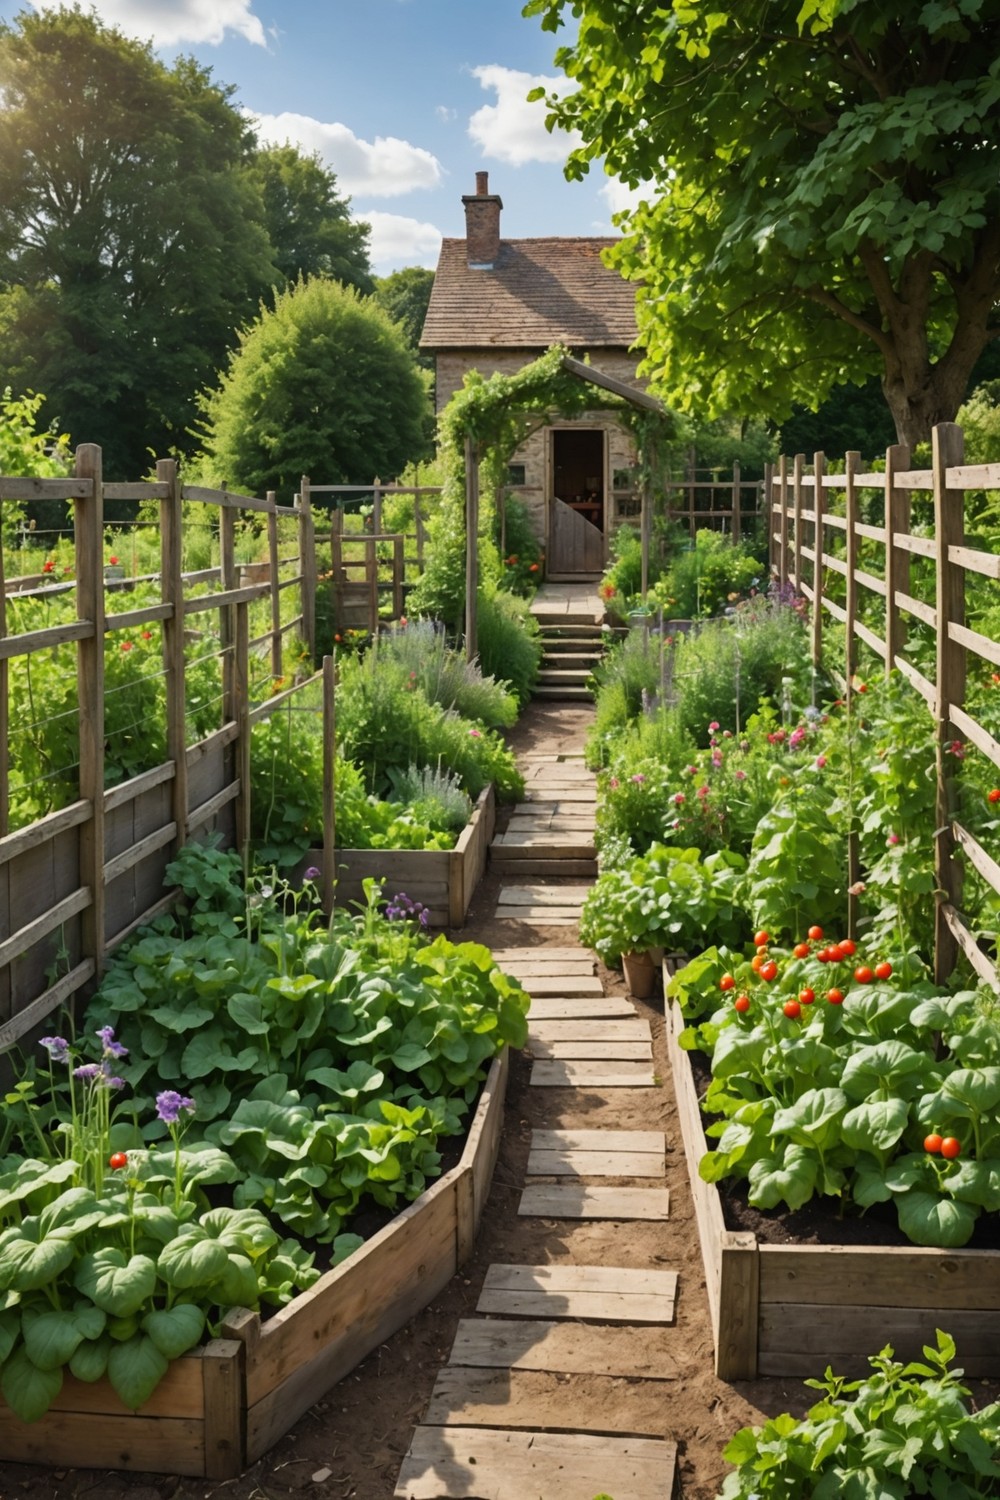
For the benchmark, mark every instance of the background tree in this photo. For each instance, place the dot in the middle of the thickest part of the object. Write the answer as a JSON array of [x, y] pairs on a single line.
[[405, 296], [322, 384], [131, 236], [309, 225], [825, 191]]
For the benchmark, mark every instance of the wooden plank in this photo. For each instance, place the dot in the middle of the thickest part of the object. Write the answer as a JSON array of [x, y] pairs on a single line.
[[543, 895], [565, 1348], [150, 1445], [596, 1164], [222, 1367], [896, 1276], [598, 1140], [514, 1398], [540, 916], [707, 1207], [57, 994], [736, 1347], [592, 1051], [842, 1330], [572, 1008], [465, 1462], [559, 1073], [632, 1030], [544, 955], [560, 984], [25, 937], [568, 1201], [483, 1144], [596, 1293]]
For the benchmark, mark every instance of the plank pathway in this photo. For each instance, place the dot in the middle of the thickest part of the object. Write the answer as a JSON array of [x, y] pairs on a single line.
[[562, 1337]]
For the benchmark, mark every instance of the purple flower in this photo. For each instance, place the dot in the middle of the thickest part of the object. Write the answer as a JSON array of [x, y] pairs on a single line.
[[88, 1071], [169, 1105], [115, 1083], [425, 917], [57, 1048], [111, 1047], [312, 873]]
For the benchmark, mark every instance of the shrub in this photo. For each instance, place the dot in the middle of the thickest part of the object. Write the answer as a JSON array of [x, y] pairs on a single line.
[[444, 676], [510, 642], [666, 898]]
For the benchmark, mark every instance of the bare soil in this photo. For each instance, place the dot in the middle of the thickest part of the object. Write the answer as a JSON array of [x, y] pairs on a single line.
[[356, 1435]]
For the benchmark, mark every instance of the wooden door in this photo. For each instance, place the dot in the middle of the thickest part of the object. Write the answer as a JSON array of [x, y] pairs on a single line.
[[576, 545]]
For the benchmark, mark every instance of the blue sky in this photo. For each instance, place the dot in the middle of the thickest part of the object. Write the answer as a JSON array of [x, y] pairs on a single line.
[[405, 99]]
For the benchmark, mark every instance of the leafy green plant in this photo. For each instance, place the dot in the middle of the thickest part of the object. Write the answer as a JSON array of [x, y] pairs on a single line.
[[906, 1429], [443, 675], [666, 898], [510, 643], [851, 1076]]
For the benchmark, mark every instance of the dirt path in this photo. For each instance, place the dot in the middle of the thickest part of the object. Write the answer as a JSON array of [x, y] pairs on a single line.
[[355, 1437]]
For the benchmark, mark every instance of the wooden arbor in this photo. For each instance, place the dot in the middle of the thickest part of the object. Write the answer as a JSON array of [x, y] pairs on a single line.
[[493, 417]]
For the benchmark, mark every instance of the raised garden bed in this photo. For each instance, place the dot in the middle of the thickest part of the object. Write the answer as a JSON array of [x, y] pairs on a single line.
[[222, 1407], [789, 1310], [444, 880]]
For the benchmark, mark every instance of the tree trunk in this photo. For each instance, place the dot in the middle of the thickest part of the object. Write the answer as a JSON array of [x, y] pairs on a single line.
[[920, 397]]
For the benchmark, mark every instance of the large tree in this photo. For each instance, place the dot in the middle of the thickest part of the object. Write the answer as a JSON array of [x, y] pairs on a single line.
[[131, 236], [321, 384], [309, 224], [823, 199], [405, 295]]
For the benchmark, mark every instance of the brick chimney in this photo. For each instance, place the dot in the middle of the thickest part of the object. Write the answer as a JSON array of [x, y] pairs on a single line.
[[482, 225]]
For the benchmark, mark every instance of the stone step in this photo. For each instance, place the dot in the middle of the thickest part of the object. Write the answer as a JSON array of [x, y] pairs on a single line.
[[566, 694]]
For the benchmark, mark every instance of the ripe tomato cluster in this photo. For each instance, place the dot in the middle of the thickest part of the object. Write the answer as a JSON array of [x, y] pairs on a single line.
[[767, 969], [948, 1146]]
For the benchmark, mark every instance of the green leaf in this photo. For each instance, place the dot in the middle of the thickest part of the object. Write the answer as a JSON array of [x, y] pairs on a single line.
[[117, 1285], [27, 1390], [790, 1178], [90, 1360], [928, 1220], [51, 1338], [877, 1124], [192, 1259], [25, 1265], [135, 1369], [175, 1330]]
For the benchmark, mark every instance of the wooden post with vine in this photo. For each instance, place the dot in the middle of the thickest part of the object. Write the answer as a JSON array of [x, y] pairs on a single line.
[[819, 543], [174, 664], [307, 568], [471, 546]]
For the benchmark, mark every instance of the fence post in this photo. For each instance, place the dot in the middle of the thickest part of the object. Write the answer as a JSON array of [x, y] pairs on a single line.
[[307, 568], [329, 782], [274, 570], [783, 522], [418, 526], [737, 524], [852, 465], [819, 542], [88, 517], [4, 708], [797, 470], [765, 498], [227, 614], [371, 580], [897, 561], [174, 663], [398, 571], [241, 715], [377, 506], [949, 531], [471, 547]]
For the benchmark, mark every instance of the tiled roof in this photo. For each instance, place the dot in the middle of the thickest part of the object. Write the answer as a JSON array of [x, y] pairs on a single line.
[[540, 292]]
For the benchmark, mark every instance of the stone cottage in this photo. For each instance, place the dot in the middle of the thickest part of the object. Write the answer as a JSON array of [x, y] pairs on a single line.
[[497, 305]]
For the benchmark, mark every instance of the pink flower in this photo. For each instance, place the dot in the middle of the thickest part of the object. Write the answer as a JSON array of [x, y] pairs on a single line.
[[796, 737], [638, 778], [713, 726], [819, 762], [679, 799], [475, 734], [716, 758], [692, 770], [893, 839], [856, 889], [613, 782], [703, 791], [739, 776]]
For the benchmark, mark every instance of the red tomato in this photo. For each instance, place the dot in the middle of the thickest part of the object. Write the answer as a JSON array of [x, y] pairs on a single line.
[[727, 982], [823, 956], [993, 795], [118, 1161], [815, 933], [792, 1009], [883, 970], [848, 947], [950, 1147], [933, 1143], [863, 974], [807, 996], [769, 970], [762, 939], [801, 950], [741, 1003], [757, 960], [835, 996]]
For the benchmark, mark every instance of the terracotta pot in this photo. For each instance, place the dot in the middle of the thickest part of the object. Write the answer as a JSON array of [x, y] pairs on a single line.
[[640, 974]]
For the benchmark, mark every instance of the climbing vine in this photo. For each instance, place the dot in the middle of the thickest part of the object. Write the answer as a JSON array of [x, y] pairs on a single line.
[[497, 414]]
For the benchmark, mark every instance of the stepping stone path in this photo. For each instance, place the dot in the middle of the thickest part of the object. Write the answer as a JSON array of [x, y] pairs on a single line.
[[563, 1336]]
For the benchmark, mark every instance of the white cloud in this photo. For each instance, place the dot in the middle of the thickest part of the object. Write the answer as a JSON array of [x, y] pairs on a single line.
[[170, 22], [382, 168], [512, 130], [397, 241], [622, 199]]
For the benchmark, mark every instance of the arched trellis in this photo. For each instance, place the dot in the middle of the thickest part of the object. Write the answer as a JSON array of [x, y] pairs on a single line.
[[488, 419]]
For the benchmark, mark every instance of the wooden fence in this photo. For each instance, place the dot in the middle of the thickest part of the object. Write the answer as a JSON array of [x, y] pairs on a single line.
[[808, 505], [712, 502], [75, 883]]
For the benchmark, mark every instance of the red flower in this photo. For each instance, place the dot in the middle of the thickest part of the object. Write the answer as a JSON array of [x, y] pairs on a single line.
[[48, 566], [147, 635], [126, 645], [112, 560], [533, 568]]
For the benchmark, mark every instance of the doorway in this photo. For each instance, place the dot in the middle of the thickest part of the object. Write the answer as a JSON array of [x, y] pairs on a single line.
[[577, 512]]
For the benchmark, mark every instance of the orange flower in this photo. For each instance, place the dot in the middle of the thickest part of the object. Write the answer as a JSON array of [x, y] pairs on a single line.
[[533, 568]]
